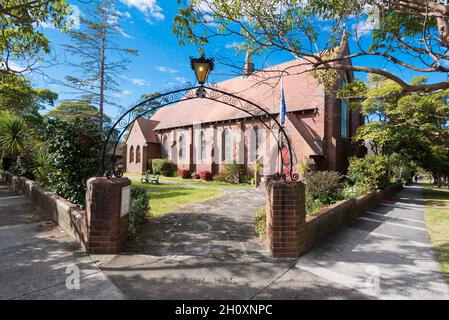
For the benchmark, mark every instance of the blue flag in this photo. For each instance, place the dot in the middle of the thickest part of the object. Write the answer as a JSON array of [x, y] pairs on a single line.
[[283, 109]]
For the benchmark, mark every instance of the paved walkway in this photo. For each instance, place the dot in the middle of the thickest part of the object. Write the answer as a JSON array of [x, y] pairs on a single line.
[[210, 250], [35, 254], [386, 254]]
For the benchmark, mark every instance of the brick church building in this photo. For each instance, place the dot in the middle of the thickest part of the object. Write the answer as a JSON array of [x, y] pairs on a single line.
[[201, 134]]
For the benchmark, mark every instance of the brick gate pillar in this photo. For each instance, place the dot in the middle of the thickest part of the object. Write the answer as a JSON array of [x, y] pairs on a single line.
[[107, 208], [285, 218]]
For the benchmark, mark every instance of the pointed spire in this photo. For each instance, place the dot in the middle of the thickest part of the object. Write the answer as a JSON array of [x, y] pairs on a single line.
[[248, 68]]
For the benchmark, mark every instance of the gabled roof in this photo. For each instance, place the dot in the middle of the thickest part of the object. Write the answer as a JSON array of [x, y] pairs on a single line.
[[301, 89], [147, 126]]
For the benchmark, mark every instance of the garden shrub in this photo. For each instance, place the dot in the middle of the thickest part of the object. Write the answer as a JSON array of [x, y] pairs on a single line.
[[140, 205], [260, 223], [235, 173], [370, 171], [205, 175], [323, 186], [42, 166], [313, 205], [221, 177], [184, 173], [354, 191], [6, 163], [74, 149], [25, 164], [164, 167]]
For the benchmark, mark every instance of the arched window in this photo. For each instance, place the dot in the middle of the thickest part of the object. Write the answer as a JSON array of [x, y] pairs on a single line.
[[131, 154], [138, 154], [203, 146], [226, 145], [259, 139], [165, 147], [182, 147]]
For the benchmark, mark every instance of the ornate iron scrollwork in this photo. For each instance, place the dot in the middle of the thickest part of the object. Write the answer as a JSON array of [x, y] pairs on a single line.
[[210, 92]]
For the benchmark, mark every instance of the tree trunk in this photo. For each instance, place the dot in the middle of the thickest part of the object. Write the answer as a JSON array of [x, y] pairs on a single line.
[[103, 49]]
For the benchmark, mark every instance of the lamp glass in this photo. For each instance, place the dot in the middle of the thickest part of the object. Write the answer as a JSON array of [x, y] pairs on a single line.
[[202, 70]]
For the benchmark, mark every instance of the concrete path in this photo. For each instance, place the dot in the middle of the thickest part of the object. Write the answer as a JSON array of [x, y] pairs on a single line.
[[386, 254], [209, 250], [35, 254]]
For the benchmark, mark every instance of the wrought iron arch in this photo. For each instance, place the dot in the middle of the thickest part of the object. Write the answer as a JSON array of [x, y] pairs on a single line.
[[208, 92]]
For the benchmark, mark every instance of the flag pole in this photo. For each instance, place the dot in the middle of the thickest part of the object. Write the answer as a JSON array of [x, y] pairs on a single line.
[[280, 142]]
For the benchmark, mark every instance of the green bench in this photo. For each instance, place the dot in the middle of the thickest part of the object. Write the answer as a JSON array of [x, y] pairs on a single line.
[[150, 178]]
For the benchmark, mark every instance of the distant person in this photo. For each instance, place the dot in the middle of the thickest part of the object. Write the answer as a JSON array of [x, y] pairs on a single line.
[[416, 178]]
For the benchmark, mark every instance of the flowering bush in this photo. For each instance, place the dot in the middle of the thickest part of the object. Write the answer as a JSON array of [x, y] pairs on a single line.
[[184, 173], [205, 175]]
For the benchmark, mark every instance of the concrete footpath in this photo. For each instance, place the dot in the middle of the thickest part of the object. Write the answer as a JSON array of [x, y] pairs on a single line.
[[37, 257], [386, 254]]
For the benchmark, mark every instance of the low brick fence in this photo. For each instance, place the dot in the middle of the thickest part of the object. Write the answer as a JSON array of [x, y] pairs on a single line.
[[67, 215], [101, 228], [291, 234]]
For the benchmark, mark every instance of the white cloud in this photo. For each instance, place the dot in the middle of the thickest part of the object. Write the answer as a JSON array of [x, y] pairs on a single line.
[[121, 93], [181, 79], [14, 66], [138, 82], [148, 7], [166, 69], [232, 45]]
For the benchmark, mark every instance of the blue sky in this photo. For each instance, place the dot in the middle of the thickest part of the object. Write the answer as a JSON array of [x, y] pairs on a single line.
[[161, 64]]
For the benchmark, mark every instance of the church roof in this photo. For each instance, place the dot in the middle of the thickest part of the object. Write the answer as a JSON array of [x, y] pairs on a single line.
[[147, 126], [301, 89]]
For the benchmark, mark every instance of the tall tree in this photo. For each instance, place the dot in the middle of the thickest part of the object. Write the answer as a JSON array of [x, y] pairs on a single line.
[[409, 35], [101, 60], [19, 97], [21, 43], [71, 110], [414, 127]]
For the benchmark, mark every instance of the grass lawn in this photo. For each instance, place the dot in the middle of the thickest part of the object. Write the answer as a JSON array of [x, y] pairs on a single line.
[[165, 198], [437, 220], [196, 181]]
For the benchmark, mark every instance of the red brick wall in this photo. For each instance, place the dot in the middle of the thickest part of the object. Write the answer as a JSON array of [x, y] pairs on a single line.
[[107, 231], [285, 219], [291, 234]]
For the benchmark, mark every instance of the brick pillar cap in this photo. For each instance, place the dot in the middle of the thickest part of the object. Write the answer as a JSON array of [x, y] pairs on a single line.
[[104, 180]]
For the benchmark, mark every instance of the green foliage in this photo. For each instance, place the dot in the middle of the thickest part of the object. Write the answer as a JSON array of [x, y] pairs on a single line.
[[314, 205], [323, 185], [42, 166], [25, 164], [22, 39], [164, 167], [73, 149], [235, 173], [70, 110], [260, 223], [296, 27], [370, 171], [354, 191], [14, 133], [140, 206], [412, 127]]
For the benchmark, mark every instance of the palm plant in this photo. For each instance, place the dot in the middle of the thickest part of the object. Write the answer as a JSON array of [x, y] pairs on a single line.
[[42, 166], [13, 133]]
